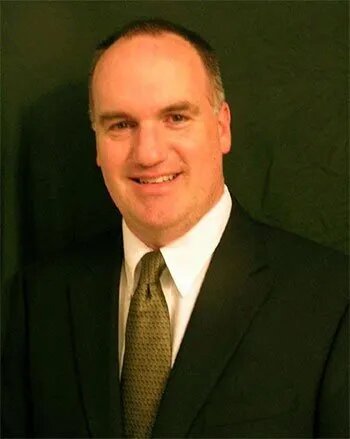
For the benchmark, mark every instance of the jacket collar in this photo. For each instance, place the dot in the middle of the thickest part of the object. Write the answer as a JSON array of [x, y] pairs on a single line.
[[236, 285], [94, 317]]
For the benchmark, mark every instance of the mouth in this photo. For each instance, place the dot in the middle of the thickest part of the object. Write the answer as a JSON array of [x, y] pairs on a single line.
[[156, 180]]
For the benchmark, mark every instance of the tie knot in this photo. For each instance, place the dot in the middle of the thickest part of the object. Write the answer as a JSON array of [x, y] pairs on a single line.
[[152, 266]]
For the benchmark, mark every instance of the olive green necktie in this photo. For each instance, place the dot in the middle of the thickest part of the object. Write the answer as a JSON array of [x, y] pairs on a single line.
[[147, 358]]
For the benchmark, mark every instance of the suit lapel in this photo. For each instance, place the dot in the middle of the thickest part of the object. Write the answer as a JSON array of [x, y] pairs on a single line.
[[94, 313], [236, 285]]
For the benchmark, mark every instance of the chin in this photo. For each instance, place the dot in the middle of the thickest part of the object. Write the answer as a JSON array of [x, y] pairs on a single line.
[[158, 226]]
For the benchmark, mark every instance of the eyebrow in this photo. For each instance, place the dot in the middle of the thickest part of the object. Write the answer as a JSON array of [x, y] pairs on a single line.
[[112, 115], [178, 106]]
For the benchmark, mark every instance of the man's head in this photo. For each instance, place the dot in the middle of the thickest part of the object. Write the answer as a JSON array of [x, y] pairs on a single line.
[[162, 126], [157, 27]]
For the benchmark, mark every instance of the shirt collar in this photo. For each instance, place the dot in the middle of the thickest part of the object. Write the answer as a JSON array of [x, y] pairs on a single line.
[[188, 255]]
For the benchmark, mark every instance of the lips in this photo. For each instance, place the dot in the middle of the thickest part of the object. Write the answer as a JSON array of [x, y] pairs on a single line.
[[155, 179]]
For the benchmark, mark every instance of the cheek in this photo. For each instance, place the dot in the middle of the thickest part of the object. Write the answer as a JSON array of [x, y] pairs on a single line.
[[205, 152], [191, 142], [109, 155], [209, 166]]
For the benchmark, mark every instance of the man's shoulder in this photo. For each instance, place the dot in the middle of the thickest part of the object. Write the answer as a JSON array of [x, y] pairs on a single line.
[[78, 258], [285, 245], [304, 261]]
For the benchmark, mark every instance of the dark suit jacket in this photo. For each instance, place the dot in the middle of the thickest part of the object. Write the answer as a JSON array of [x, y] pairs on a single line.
[[264, 354]]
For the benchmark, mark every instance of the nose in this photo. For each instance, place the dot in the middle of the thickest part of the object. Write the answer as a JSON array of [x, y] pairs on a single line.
[[148, 148]]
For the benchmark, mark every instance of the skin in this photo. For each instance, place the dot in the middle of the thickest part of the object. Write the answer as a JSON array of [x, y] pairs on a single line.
[[153, 116]]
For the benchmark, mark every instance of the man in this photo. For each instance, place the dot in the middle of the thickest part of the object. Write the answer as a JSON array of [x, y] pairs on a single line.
[[196, 321]]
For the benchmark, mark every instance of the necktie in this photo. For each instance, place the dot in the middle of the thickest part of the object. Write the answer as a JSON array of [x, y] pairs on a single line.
[[147, 358]]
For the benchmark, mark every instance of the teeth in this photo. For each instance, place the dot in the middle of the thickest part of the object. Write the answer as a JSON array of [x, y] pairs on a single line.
[[157, 180]]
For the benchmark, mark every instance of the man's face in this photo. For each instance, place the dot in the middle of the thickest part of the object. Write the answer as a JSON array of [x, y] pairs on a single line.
[[159, 142]]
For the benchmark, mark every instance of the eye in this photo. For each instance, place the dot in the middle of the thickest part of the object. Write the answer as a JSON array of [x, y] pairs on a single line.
[[122, 125], [177, 118]]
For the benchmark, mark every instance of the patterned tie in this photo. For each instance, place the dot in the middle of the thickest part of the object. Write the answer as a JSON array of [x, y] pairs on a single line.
[[147, 358]]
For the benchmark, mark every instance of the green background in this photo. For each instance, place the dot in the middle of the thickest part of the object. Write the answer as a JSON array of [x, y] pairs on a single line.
[[285, 71]]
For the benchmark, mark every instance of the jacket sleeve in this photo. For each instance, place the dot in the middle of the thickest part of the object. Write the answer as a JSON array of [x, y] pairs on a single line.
[[15, 391], [333, 406]]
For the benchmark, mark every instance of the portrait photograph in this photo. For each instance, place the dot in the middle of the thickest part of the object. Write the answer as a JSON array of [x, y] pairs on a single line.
[[175, 219]]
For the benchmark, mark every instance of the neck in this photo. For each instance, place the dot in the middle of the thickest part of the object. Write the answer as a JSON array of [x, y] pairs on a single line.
[[157, 237]]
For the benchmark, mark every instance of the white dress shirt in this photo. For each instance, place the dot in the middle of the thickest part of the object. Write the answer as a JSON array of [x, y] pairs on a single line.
[[187, 260]]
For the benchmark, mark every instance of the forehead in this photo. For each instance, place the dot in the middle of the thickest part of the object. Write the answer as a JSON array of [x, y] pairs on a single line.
[[147, 67]]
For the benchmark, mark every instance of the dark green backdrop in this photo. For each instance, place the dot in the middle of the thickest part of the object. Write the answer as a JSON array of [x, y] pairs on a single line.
[[285, 70]]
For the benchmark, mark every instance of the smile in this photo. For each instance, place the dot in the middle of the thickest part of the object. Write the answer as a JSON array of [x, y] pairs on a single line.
[[156, 180]]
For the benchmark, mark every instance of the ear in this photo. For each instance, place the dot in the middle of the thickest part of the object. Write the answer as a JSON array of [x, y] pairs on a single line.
[[98, 159], [93, 127], [98, 163], [224, 128]]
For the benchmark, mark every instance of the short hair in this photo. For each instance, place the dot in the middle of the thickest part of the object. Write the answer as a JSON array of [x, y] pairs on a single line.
[[156, 27]]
